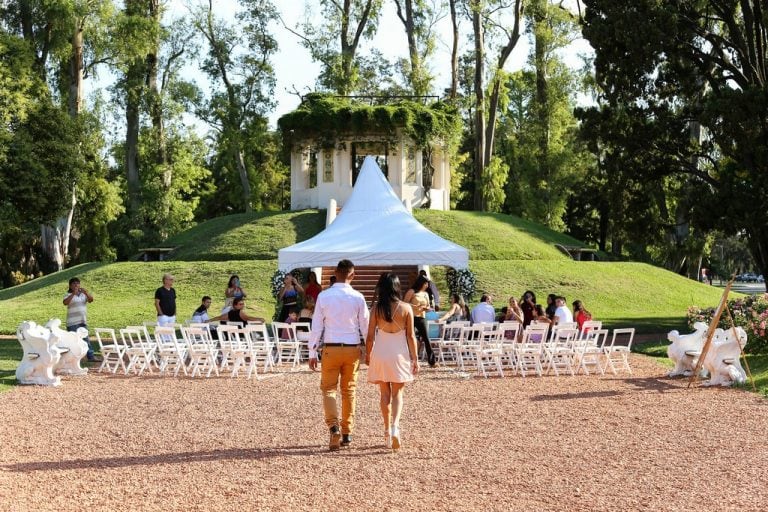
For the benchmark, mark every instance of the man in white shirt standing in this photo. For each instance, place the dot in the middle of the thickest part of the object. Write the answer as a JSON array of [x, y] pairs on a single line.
[[484, 312], [341, 319], [562, 313]]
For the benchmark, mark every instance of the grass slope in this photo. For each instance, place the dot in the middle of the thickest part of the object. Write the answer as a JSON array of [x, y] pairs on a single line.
[[621, 294], [493, 236], [256, 236]]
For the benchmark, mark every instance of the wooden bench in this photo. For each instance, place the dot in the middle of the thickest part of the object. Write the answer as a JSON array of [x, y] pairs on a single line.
[[155, 253], [578, 253]]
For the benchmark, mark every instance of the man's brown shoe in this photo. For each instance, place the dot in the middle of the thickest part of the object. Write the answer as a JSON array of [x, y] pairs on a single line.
[[335, 443]]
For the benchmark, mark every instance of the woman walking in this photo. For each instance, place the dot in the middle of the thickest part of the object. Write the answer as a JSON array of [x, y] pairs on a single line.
[[391, 353]]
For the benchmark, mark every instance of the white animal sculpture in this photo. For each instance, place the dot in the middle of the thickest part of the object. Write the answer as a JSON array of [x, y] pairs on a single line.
[[723, 359], [685, 349], [72, 347], [40, 355]]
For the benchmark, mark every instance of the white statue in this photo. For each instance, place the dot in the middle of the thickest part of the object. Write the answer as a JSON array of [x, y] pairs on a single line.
[[40, 355], [685, 349], [72, 347], [723, 359]]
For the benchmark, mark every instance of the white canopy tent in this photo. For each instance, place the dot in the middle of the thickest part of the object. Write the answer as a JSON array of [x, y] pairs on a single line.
[[373, 228]]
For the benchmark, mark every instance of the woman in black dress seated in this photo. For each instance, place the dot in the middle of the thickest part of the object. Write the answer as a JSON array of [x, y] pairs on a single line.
[[236, 314]]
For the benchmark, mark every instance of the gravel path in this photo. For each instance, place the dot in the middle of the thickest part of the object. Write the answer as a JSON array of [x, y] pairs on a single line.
[[641, 442]]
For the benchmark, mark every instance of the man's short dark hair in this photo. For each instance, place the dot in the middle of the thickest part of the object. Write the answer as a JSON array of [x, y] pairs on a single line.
[[73, 280], [484, 298], [560, 297], [205, 298], [344, 268]]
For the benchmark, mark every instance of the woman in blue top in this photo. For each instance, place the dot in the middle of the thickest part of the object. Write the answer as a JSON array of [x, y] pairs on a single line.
[[289, 296]]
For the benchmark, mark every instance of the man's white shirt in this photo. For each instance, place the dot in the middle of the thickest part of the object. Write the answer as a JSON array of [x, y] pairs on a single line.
[[563, 315], [341, 316], [483, 313]]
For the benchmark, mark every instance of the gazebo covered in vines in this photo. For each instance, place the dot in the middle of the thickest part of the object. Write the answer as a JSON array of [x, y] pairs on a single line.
[[411, 141]]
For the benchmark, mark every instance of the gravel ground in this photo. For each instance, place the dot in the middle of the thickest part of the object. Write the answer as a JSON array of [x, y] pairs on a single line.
[[641, 442]]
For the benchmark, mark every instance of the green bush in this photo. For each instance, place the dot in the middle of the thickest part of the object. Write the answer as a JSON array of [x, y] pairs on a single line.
[[750, 313]]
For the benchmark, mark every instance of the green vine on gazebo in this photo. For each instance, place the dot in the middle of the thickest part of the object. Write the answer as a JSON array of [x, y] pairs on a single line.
[[325, 120]]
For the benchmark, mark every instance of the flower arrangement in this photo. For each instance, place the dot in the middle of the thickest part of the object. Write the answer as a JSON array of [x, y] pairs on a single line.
[[461, 282], [750, 313]]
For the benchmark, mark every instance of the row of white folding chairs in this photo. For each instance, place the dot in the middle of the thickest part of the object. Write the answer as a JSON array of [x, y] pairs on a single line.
[[195, 353], [502, 346]]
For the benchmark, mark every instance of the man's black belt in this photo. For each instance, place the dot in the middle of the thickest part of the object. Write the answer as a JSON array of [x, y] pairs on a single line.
[[342, 344]]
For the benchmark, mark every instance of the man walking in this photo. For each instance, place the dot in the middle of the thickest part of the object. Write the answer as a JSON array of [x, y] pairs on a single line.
[[341, 319]]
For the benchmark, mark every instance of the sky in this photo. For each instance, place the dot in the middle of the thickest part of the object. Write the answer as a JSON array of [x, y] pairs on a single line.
[[295, 70]]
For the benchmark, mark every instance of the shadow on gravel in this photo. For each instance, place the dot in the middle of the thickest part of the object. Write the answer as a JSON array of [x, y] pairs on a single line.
[[166, 458], [660, 384], [575, 396]]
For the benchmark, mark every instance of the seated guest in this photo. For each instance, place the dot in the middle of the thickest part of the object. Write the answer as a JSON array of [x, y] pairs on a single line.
[[502, 314], [201, 313], [236, 314], [457, 311], [514, 312], [528, 307], [305, 315], [484, 312], [540, 315], [562, 313], [581, 314]]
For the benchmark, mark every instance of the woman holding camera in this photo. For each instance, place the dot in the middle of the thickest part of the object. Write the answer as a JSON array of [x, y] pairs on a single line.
[[289, 296], [232, 292]]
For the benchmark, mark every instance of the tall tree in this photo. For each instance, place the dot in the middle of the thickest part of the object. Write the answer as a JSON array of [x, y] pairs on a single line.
[[418, 18], [335, 42], [671, 62], [238, 61], [485, 17]]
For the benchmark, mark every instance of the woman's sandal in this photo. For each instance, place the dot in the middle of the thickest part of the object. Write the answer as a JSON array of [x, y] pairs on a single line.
[[395, 439]]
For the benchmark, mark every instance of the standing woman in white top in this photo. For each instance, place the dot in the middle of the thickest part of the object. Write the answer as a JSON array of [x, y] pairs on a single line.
[[76, 300], [391, 353]]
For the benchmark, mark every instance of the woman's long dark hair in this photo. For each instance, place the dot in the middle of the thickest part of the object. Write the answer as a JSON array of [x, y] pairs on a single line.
[[579, 306], [387, 292], [232, 280], [418, 283]]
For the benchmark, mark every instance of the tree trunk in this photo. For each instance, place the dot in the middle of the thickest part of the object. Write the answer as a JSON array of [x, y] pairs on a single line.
[[132, 108], [243, 172], [156, 101], [479, 35], [542, 106], [757, 239], [75, 100], [55, 239], [454, 51]]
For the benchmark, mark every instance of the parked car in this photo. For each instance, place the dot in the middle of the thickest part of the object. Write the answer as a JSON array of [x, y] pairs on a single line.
[[747, 277]]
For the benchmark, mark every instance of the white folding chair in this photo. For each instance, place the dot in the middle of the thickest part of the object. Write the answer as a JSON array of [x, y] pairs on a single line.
[[170, 353], [589, 326], [449, 341], [303, 330], [530, 351], [202, 351], [140, 352], [260, 348], [560, 350], [488, 355], [617, 354], [469, 344], [234, 348], [509, 333], [112, 351], [287, 345], [590, 350]]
